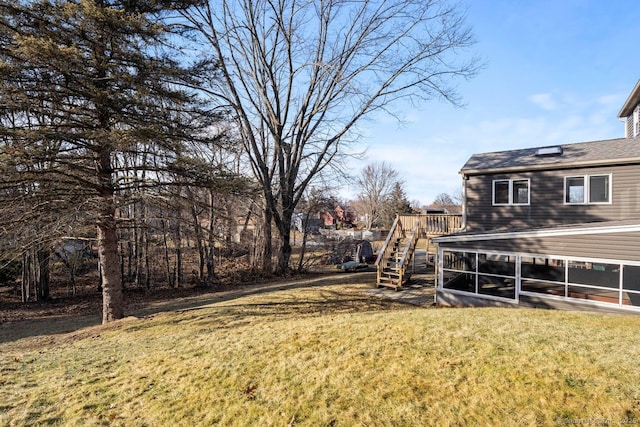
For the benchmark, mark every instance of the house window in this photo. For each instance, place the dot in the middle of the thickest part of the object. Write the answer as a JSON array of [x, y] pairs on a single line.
[[501, 192], [599, 189], [489, 273], [587, 189], [511, 192], [492, 275], [574, 190]]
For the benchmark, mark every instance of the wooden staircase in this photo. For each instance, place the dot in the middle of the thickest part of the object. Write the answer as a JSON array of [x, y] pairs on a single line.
[[396, 255]]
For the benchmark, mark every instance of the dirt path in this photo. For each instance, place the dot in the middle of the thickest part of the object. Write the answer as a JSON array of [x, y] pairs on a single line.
[[62, 323]]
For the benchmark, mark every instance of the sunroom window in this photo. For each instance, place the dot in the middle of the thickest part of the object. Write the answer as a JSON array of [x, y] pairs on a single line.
[[491, 275]]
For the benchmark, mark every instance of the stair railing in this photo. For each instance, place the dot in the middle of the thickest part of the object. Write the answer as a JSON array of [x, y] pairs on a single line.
[[408, 251], [396, 229]]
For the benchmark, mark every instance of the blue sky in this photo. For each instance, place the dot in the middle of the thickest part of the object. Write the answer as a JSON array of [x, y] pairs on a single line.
[[557, 71]]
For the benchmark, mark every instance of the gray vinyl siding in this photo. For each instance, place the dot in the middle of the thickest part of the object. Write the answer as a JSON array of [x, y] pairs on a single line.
[[547, 207], [614, 246]]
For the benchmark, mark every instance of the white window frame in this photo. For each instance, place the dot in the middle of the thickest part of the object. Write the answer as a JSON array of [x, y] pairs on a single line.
[[636, 121], [510, 202], [586, 182], [620, 289]]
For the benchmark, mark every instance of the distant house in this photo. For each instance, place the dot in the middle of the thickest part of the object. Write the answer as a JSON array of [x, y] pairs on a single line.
[[327, 219], [555, 226], [340, 217], [306, 223], [345, 217]]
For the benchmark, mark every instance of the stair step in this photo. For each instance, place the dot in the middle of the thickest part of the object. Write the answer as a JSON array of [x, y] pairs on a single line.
[[391, 267], [395, 286]]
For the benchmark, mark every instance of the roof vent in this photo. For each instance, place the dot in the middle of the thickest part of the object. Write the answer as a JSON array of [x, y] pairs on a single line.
[[549, 151]]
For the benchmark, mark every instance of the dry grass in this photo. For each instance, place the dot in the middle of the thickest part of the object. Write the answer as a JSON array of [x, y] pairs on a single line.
[[328, 355]]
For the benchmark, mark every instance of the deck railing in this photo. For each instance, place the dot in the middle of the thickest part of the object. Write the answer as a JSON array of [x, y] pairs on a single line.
[[432, 224]]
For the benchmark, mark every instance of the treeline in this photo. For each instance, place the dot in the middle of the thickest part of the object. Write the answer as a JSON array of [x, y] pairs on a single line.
[[105, 136], [169, 234]]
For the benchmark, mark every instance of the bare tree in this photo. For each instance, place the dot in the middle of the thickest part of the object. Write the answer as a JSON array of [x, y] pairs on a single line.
[[453, 204], [416, 205], [376, 185], [300, 75]]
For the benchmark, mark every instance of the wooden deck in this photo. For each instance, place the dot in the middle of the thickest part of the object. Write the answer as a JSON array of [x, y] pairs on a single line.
[[432, 225]]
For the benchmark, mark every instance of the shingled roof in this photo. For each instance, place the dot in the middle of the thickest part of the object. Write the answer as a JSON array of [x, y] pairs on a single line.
[[630, 104], [607, 152]]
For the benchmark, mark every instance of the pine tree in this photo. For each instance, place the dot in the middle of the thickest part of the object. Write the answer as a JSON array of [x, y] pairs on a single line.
[[85, 84]]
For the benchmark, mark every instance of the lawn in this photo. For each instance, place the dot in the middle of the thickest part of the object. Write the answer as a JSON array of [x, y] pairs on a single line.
[[327, 354]]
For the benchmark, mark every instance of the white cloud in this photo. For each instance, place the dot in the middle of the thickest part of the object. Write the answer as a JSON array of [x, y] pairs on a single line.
[[544, 101], [608, 100]]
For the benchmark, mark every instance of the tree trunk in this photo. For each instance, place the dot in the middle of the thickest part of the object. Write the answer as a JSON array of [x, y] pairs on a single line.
[[112, 299], [179, 272], [284, 255], [211, 242], [137, 246], [303, 246], [197, 228], [284, 231], [26, 268], [267, 245], [129, 273], [147, 261], [123, 277], [167, 258], [42, 284], [100, 275]]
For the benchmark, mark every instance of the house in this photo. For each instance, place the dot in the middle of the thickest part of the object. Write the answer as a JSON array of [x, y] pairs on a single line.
[[327, 219], [304, 222], [555, 227], [346, 217], [340, 217]]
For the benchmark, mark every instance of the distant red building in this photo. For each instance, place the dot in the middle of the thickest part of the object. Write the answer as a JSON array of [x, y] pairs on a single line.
[[340, 217], [327, 219], [346, 217]]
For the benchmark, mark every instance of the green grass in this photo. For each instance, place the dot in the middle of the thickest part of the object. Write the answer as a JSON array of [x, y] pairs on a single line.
[[328, 355]]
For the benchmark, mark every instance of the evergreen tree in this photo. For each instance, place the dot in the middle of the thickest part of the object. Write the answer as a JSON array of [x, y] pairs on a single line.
[[397, 203], [84, 85]]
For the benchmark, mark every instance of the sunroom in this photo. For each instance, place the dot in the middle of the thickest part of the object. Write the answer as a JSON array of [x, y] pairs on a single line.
[[565, 268]]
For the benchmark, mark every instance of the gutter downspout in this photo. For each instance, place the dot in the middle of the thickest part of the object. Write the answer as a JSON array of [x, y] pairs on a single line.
[[465, 178]]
